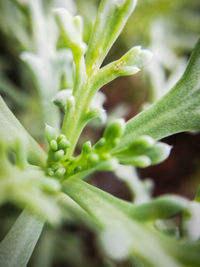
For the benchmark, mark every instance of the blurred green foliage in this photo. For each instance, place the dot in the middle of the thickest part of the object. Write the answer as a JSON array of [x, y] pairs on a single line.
[[174, 25]]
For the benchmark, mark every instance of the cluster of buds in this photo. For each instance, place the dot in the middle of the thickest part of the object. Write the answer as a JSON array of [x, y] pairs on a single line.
[[57, 152], [141, 152], [98, 157]]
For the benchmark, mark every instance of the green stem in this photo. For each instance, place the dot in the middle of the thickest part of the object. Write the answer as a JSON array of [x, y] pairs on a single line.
[[73, 123], [80, 73]]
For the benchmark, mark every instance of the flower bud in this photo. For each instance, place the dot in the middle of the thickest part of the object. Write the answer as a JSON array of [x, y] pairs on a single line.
[[60, 138], [99, 144], [53, 145], [93, 158], [86, 148], [114, 130], [64, 143], [137, 161], [78, 169], [50, 172], [158, 152], [50, 133], [107, 165], [58, 155], [60, 172]]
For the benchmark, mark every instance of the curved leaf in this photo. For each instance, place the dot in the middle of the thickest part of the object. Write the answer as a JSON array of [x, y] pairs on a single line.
[[122, 235], [177, 111]]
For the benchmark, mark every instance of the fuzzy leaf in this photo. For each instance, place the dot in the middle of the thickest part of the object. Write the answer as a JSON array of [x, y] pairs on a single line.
[[128, 236], [177, 111]]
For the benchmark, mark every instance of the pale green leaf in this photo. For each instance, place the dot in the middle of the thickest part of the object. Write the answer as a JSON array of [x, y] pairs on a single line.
[[177, 111], [17, 246], [122, 235]]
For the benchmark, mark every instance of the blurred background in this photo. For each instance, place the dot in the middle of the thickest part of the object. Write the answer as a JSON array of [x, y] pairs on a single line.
[[170, 29]]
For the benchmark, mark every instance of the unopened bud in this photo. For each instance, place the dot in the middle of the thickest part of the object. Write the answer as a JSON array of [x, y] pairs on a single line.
[[50, 133], [93, 158], [137, 161], [159, 152], [86, 148], [99, 144], [64, 143], [114, 130], [78, 169], [50, 172], [107, 165], [58, 155], [60, 172], [53, 145]]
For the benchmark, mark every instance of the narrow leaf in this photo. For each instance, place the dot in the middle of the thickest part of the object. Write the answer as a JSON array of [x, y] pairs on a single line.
[[121, 234], [177, 111], [18, 245]]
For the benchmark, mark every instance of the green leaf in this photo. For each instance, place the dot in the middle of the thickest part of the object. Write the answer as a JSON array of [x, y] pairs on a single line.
[[122, 234], [11, 130], [17, 246], [177, 111], [159, 208], [111, 18]]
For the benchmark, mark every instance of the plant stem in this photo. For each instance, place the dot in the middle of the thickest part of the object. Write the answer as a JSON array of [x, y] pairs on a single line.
[[73, 125], [73, 122]]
